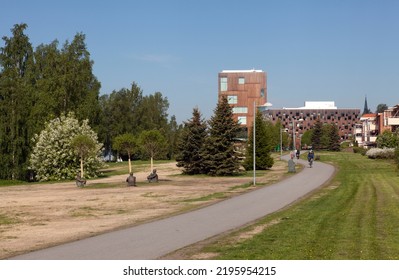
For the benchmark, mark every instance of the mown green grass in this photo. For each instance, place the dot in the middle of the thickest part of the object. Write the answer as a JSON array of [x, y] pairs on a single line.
[[7, 183], [355, 217]]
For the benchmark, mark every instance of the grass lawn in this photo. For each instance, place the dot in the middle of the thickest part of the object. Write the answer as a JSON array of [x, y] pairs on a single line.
[[355, 217]]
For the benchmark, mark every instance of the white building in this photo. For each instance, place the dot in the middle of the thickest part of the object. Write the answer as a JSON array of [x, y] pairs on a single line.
[[366, 130]]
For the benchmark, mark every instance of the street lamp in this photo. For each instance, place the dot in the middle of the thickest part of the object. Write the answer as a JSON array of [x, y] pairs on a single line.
[[254, 136], [281, 142]]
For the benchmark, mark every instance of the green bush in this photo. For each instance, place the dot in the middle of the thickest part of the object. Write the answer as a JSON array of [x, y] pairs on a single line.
[[359, 150], [396, 157]]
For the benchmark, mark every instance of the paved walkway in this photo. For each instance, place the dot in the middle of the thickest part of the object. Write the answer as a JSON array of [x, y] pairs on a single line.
[[155, 239]]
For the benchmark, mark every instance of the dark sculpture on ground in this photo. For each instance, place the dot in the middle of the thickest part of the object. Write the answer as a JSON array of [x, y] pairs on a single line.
[[131, 180], [153, 177]]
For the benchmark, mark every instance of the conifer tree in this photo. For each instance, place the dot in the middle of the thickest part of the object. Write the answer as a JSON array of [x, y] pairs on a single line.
[[219, 154], [317, 134], [191, 144], [334, 138], [263, 145], [325, 140]]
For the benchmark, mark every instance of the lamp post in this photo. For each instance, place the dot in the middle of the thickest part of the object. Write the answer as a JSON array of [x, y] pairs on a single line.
[[254, 137], [293, 136], [253, 144], [281, 143]]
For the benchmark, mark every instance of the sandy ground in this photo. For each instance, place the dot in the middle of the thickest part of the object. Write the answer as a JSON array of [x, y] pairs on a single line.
[[43, 215]]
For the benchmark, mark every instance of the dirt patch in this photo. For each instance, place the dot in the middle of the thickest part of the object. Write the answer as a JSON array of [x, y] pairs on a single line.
[[42, 215]]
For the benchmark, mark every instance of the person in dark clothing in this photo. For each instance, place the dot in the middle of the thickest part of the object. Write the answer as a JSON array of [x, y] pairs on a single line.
[[310, 157]]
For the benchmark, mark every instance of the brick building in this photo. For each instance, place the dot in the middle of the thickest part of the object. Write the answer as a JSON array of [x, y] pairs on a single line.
[[298, 120], [373, 124]]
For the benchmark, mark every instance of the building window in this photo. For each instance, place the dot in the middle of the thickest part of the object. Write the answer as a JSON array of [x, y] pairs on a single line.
[[262, 92], [232, 99], [241, 81], [242, 120], [240, 110], [223, 84]]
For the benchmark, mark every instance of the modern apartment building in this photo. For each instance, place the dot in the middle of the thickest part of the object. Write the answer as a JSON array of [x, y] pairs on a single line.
[[367, 130], [389, 119], [243, 89], [298, 120]]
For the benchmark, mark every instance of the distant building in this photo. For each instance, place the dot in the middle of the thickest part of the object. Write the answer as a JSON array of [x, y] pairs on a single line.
[[243, 88], [389, 119], [298, 120], [372, 125], [367, 130]]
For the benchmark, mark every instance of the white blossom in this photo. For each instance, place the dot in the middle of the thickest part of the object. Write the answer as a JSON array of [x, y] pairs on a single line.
[[385, 153], [53, 157]]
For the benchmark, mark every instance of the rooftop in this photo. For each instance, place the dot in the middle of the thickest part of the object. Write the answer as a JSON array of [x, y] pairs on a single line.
[[317, 105], [241, 71]]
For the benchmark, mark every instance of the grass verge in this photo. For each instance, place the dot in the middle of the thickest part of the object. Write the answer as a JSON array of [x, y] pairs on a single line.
[[355, 217]]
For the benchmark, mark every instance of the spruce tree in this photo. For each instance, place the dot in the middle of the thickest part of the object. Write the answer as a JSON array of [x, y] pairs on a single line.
[[325, 140], [219, 154], [317, 134], [263, 145], [191, 143], [334, 139]]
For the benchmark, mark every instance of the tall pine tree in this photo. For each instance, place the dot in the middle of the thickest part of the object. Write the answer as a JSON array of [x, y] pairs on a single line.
[[191, 144], [219, 154], [263, 145], [317, 134], [334, 138]]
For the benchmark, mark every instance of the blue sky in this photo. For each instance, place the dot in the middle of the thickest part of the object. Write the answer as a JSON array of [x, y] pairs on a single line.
[[339, 50]]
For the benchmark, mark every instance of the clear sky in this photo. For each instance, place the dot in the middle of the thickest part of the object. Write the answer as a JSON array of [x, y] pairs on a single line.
[[311, 50]]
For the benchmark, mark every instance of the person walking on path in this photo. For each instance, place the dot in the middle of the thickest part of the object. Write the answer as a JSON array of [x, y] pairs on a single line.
[[311, 158]]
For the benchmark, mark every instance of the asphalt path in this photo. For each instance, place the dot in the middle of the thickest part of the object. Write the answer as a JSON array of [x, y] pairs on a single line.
[[155, 239]]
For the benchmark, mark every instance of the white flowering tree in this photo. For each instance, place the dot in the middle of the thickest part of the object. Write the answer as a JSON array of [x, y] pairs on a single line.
[[54, 155]]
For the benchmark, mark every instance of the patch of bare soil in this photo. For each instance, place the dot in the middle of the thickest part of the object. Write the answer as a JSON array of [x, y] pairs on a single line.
[[43, 215]]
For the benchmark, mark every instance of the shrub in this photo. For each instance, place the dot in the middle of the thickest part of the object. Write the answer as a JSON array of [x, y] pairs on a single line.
[[385, 153], [397, 157], [359, 150], [54, 158]]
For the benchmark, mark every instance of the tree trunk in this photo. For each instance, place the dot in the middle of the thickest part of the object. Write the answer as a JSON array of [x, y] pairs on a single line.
[[152, 164], [81, 167], [130, 164]]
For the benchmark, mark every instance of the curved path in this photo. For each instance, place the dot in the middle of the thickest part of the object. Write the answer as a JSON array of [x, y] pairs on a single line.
[[155, 239]]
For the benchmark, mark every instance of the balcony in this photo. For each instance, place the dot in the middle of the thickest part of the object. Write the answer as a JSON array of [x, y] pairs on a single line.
[[393, 121]]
